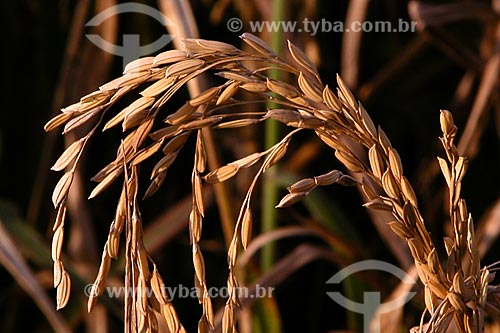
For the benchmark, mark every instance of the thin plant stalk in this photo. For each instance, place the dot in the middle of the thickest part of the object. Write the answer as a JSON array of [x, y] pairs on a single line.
[[272, 133]]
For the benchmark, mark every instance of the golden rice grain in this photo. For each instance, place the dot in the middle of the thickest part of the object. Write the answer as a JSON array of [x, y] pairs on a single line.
[[310, 90], [228, 92], [62, 188], [221, 174], [300, 57], [258, 44], [205, 97], [246, 227], [168, 57], [184, 67], [63, 291], [139, 65], [281, 88]]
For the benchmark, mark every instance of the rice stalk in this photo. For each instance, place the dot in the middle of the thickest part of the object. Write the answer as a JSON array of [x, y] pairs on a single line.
[[457, 288]]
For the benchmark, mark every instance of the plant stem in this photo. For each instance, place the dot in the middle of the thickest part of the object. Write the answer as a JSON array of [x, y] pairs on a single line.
[[270, 188]]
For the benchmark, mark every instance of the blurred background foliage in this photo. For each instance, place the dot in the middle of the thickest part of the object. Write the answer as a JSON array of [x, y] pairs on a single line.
[[450, 62]]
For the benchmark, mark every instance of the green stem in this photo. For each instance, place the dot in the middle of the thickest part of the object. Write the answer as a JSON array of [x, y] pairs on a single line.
[[270, 188]]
